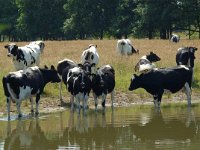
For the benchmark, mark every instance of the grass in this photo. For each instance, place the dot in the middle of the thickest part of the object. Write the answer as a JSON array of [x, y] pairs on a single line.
[[124, 65]]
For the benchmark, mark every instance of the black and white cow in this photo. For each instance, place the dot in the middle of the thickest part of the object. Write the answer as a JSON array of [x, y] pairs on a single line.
[[146, 62], [124, 47], [186, 56], [25, 56], [175, 38], [27, 83], [103, 83], [91, 55], [157, 81], [79, 85], [65, 65], [63, 68]]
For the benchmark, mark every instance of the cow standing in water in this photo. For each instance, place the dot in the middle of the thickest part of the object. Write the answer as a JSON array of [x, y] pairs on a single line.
[[103, 83], [157, 81], [24, 84], [78, 84]]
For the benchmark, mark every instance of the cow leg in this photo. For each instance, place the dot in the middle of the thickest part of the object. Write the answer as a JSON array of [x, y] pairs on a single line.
[[103, 101], [60, 88], [160, 98], [112, 98], [8, 107], [188, 93], [18, 105], [78, 103], [37, 103], [32, 109], [155, 98], [96, 101], [85, 102], [72, 102]]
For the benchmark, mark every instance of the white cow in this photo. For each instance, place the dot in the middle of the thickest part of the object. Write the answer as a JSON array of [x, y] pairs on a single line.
[[25, 56], [124, 47], [175, 38]]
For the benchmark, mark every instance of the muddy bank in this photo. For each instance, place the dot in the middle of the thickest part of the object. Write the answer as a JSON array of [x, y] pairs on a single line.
[[53, 104]]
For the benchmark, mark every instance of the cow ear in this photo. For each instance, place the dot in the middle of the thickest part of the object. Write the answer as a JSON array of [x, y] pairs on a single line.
[[80, 65], [52, 67], [135, 75], [45, 66], [151, 53], [6, 46]]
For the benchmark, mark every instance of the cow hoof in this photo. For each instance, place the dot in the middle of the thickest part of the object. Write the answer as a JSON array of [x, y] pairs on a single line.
[[32, 111], [36, 113]]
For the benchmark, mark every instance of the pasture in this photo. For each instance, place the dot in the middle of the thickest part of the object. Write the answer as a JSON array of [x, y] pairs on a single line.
[[55, 51]]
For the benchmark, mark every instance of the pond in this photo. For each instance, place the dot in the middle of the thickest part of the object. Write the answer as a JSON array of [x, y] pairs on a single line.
[[138, 127]]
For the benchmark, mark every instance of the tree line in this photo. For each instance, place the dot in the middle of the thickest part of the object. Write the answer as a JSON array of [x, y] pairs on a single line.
[[24, 20]]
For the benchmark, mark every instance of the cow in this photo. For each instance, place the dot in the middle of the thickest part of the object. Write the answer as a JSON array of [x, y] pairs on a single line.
[[63, 68], [175, 38], [25, 56], [65, 65], [186, 56], [79, 85], [124, 47], [27, 83], [146, 62], [90, 54], [103, 83], [157, 81]]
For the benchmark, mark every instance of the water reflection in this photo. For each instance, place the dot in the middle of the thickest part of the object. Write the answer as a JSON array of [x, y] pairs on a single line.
[[145, 129], [25, 136]]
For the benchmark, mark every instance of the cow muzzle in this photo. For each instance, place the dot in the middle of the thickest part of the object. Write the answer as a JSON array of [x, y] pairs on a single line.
[[9, 54]]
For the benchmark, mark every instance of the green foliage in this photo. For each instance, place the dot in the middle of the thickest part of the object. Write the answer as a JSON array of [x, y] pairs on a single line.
[[76, 19]]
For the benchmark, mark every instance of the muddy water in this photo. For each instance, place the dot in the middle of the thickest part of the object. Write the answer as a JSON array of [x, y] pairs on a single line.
[[139, 127]]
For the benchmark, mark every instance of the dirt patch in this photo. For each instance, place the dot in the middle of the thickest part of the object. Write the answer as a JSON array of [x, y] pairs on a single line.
[[53, 104]]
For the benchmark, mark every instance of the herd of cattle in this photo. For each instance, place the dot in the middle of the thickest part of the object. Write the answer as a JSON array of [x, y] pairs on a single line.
[[29, 80]]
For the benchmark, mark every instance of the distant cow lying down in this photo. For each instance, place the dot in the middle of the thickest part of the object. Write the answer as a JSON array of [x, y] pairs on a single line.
[[157, 81], [25, 56], [24, 84], [146, 62], [124, 47]]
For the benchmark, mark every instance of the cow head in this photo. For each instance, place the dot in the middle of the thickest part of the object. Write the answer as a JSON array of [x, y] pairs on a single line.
[[191, 56], [12, 49], [50, 75], [152, 57], [135, 82]]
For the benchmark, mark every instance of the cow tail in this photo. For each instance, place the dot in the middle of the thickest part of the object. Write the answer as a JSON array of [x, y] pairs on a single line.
[[191, 76], [6, 92]]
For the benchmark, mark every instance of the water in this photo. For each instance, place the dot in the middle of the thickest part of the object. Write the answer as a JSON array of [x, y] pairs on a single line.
[[138, 127]]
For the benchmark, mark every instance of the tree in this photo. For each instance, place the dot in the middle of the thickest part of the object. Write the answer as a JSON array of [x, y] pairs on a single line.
[[8, 16], [40, 18]]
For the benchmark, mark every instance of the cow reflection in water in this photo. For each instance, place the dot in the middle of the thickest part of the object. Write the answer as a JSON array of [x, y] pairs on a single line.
[[159, 129], [89, 132], [25, 137]]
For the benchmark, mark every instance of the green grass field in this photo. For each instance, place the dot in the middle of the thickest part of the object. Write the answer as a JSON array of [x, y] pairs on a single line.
[[55, 51]]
